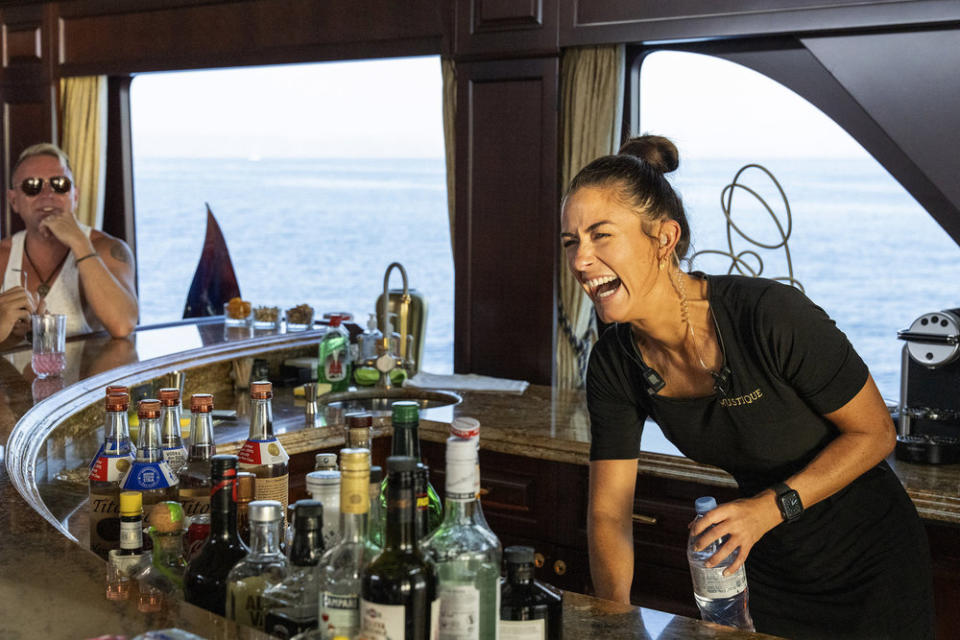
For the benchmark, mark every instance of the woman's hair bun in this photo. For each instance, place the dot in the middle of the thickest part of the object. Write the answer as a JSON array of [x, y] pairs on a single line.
[[656, 151]]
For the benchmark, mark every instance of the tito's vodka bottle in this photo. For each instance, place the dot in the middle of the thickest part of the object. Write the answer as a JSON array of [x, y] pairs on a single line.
[[113, 460], [150, 474], [173, 450], [398, 588], [195, 474], [466, 559], [262, 454]]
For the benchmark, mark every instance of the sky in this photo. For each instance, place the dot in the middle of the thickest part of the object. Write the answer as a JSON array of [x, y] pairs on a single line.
[[393, 108]]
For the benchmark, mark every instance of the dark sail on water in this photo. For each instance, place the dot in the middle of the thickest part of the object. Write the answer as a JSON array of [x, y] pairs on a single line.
[[214, 281]]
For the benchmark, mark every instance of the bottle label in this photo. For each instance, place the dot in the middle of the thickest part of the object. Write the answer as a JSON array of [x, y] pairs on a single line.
[[97, 457], [459, 612], [104, 522], [255, 452], [110, 468], [176, 457], [339, 614], [131, 534], [273, 489], [382, 621], [245, 603], [461, 480], [711, 583], [334, 365], [143, 476], [354, 495], [195, 501], [523, 629]]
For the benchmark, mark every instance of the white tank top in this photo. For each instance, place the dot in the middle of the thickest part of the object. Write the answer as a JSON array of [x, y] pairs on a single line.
[[64, 294]]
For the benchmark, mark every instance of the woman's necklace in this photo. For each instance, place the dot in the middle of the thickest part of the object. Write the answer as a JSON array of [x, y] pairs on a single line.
[[44, 287], [685, 315]]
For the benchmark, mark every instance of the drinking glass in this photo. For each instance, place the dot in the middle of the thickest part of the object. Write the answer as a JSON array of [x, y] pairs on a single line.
[[49, 353]]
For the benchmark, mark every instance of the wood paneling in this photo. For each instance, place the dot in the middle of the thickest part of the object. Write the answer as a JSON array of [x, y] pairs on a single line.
[[506, 28], [506, 218]]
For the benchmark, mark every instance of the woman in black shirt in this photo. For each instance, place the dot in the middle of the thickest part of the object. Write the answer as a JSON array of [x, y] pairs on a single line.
[[746, 374]]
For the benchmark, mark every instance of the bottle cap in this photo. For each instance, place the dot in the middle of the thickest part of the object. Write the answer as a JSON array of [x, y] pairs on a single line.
[[261, 390], [405, 412], [459, 450], [148, 409], [131, 503], [308, 515], [465, 428], [266, 511], [324, 461], [223, 464], [169, 396], [359, 420], [246, 486], [319, 480], [518, 555], [704, 504], [118, 402], [401, 464], [118, 388], [354, 459], [201, 403], [376, 474]]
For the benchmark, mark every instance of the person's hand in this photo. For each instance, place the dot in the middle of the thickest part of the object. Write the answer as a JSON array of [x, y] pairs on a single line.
[[16, 305], [63, 225], [744, 520]]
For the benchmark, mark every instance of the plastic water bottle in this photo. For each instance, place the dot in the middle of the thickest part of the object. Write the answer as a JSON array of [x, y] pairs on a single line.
[[721, 599]]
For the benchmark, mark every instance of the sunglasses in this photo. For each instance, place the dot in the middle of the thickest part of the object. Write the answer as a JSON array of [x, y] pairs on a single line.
[[33, 186]]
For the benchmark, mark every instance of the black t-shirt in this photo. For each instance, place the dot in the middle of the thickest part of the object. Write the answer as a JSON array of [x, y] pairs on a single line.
[[789, 365]]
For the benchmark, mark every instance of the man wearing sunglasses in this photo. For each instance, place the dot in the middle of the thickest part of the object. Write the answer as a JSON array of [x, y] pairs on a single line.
[[69, 267]]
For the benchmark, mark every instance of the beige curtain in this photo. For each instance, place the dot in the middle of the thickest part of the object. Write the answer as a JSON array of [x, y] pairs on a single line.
[[591, 112], [83, 117], [449, 134]]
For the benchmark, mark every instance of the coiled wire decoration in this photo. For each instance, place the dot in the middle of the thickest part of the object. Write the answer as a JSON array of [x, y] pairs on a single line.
[[738, 260]]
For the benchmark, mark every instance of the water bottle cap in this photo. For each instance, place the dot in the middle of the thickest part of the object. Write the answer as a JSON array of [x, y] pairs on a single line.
[[405, 411], [265, 511], [704, 504]]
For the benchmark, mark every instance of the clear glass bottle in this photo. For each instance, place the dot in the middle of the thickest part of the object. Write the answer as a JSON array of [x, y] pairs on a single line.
[[115, 389], [149, 473], [333, 365], [205, 583], [398, 588], [163, 577], [174, 452], [528, 609], [195, 475], [246, 491], [325, 487], [262, 454], [469, 429], [405, 418], [263, 567], [466, 560], [292, 604], [341, 566], [106, 472]]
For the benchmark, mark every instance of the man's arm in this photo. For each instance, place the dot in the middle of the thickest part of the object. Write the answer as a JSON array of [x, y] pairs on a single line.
[[610, 527], [107, 283]]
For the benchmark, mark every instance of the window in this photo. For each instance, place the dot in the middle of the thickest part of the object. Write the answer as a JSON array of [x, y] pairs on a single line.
[[863, 249], [319, 175]]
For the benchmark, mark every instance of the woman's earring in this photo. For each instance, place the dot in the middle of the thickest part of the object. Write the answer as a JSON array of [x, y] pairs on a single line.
[[662, 264]]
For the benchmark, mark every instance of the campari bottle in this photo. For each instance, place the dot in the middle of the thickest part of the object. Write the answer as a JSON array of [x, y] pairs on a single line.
[[262, 454], [173, 450], [195, 474], [113, 460], [149, 473]]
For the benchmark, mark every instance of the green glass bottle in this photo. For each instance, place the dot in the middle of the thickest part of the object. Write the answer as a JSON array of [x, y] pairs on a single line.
[[333, 365]]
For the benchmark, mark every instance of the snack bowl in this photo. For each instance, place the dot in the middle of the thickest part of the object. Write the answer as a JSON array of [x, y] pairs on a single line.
[[237, 313], [299, 318], [265, 317]]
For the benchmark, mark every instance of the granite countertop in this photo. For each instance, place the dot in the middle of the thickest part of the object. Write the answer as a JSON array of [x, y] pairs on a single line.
[[53, 587]]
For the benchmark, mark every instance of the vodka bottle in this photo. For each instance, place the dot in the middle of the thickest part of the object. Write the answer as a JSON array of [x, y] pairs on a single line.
[[262, 454], [398, 588], [721, 599], [528, 609], [406, 442], [341, 566], [173, 450], [469, 429], [111, 390], [466, 559], [325, 487], [112, 461], [262, 568], [292, 604], [149, 473], [195, 474]]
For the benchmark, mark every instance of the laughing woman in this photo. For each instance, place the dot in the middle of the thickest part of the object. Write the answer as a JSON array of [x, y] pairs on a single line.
[[746, 374]]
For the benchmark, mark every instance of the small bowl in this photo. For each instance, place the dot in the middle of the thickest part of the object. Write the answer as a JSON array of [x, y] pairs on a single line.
[[264, 312], [236, 322], [299, 325]]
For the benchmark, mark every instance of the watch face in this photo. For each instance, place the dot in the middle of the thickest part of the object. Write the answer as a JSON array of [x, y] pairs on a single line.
[[791, 505]]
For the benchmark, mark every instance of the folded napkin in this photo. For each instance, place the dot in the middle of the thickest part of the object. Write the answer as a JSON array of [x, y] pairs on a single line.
[[466, 382]]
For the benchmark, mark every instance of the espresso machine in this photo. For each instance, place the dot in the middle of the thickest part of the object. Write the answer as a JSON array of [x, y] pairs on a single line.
[[928, 431]]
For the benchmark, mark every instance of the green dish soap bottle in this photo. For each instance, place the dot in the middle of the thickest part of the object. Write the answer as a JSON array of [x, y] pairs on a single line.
[[333, 365]]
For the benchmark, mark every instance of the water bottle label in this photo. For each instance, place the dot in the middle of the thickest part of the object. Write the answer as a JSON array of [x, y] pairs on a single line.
[[381, 621], [459, 612], [339, 614], [109, 468], [523, 629], [711, 583]]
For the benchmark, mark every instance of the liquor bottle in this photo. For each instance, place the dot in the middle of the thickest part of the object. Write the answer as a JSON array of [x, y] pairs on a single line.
[[375, 518], [150, 474], [398, 588], [292, 604], [246, 490], [195, 475], [325, 487], [333, 365], [466, 560], [205, 583], [406, 442], [112, 461], [115, 389], [325, 462], [162, 578], [263, 567], [469, 429], [262, 454], [341, 566], [358, 430], [123, 563], [528, 609], [173, 450]]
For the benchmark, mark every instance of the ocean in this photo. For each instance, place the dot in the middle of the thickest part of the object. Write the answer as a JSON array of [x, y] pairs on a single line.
[[322, 232]]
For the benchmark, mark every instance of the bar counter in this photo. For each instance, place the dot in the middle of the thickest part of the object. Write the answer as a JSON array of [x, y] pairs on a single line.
[[51, 586]]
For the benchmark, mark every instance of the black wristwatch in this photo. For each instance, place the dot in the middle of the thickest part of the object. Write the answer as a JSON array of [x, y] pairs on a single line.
[[789, 502]]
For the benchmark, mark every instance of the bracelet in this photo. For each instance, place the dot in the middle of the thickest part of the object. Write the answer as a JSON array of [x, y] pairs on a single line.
[[89, 255]]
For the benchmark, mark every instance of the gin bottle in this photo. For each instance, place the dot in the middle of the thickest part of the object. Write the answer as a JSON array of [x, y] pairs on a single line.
[[173, 450], [195, 474], [341, 566], [262, 454], [112, 461], [406, 442], [466, 560], [150, 474], [528, 609], [469, 429], [262, 568]]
